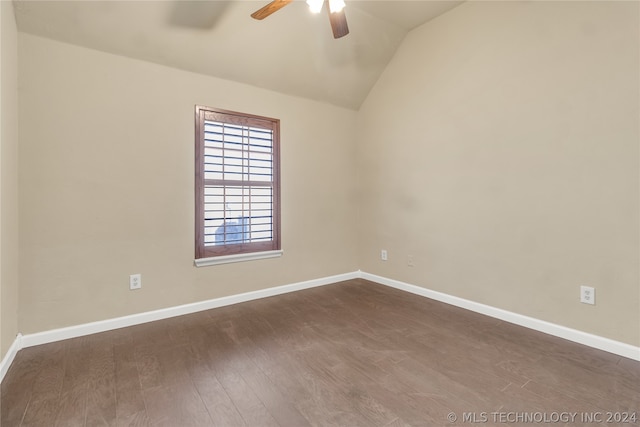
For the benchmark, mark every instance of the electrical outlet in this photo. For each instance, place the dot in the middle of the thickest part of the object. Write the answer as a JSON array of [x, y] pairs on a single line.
[[587, 295], [383, 255], [135, 281], [410, 261]]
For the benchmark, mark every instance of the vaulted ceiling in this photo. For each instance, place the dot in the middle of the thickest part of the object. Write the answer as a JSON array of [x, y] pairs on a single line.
[[292, 51]]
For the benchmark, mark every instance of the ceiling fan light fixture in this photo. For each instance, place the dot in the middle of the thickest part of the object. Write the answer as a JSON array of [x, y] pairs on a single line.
[[315, 5], [336, 6]]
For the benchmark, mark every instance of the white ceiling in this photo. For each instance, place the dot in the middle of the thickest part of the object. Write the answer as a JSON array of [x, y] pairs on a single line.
[[292, 51]]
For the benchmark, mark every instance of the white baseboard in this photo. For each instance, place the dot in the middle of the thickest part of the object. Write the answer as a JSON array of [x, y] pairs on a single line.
[[45, 337], [28, 340], [595, 341], [11, 354]]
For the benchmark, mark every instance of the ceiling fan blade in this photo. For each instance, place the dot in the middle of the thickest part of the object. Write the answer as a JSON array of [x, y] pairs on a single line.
[[272, 7], [338, 23]]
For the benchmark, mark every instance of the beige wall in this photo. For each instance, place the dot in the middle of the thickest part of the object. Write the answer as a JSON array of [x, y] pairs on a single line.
[[500, 150], [106, 186], [8, 178]]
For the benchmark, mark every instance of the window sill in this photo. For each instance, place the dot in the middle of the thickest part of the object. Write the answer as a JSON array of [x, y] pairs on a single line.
[[227, 259]]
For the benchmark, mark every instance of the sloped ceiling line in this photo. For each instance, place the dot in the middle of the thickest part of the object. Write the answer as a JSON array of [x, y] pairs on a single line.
[[219, 38]]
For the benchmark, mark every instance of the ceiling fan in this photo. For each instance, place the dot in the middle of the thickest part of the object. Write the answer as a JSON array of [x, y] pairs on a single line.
[[335, 8]]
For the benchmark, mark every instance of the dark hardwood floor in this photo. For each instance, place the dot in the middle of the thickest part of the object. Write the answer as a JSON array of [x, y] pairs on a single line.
[[350, 354]]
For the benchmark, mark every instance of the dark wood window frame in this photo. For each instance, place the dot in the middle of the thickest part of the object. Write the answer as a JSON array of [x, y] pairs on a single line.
[[204, 181]]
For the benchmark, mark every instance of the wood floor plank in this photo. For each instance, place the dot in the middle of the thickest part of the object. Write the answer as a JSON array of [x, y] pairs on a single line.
[[589, 386], [49, 379], [137, 419], [129, 399], [72, 405], [557, 399], [176, 405], [269, 393], [101, 381], [221, 408], [249, 405], [18, 385], [348, 354], [149, 371], [130, 407], [300, 386], [198, 362], [40, 412], [73, 396]]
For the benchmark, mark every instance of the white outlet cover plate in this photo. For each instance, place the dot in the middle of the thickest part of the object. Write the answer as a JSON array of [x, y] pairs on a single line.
[[135, 281], [587, 295]]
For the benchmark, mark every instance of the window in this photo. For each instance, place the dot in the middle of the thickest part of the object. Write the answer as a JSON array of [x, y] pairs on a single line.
[[237, 184]]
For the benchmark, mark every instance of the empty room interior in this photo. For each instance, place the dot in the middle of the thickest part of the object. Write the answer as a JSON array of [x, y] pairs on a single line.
[[387, 213]]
